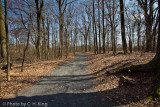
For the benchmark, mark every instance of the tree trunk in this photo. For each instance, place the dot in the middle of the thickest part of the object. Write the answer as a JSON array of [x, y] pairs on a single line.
[[104, 50], [133, 41], [71, 43], [114, 40], [66, 43], [48, 38], [24, 53], [39, 19], [53, 33], [130, 38], [95, 31], [113, 29], [112, 36], [75, 36], [96, 43], [138, 36], [108, 41], [148, 32], [147, 6], [60, 29], [3, 34], [85, 43], [7, 41], [61, 36], [43, 39], [99, 25], [157, 56], [44, 43], [130, 45], [56, 45], [154, 43], [16, 43], [123, 28], [143, 46], [0, 47], [81, 44], [94, 40]]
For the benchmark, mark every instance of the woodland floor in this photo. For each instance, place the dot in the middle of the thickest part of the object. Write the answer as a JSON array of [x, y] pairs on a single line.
[[71, 85], [114, 87], [32, 73]]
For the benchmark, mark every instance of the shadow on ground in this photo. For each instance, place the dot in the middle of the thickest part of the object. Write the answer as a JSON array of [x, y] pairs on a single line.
[[61, 100], [124, 93], [89, 99]]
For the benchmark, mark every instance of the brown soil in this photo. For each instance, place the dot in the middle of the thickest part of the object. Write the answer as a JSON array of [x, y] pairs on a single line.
[[32, 72], [116, 86]]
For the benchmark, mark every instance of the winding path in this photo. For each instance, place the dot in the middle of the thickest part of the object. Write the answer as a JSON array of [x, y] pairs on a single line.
[[70, 85]]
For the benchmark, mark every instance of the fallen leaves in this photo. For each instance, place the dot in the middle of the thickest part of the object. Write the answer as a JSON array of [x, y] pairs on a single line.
[[126, 89], [31, 74]]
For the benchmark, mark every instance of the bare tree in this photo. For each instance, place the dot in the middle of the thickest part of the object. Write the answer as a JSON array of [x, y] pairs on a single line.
[[48, 33], [7, 41], [61, 3], [86, 26], [112, 20], [75, 35], [99, 26], [94, 30], [39, 19], [25, 49], [103, 34], [138, 21], [124, 43], [147, 6], [3, 34]]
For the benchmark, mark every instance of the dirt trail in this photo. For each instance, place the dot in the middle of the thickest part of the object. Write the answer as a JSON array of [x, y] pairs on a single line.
[[70, 85]]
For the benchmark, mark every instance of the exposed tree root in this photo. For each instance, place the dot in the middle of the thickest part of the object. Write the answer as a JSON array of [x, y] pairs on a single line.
[[150, 67]]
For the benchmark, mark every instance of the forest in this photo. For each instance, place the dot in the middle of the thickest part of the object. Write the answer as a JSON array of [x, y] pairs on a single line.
[[110, 49]]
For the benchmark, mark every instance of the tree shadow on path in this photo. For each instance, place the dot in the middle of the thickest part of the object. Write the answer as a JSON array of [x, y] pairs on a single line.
[[61, 100]]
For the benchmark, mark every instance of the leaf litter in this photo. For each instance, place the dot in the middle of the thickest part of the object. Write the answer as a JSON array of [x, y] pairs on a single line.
[[129, 89], [31, 74]]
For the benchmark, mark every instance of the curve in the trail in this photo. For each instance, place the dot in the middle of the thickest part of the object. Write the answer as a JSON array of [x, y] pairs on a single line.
[[70, 85]]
